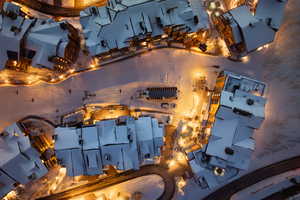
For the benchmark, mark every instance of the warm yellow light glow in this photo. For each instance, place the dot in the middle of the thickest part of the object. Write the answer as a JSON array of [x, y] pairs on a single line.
[[121, 198], [92, 66], [184, 128], [234, 4], [181, 142], [71, 71], [196, 49], [212, 5], [102, 197], [62, 171], [208, 131], [219, 171], [181, 183], [30, 79], [260, 48], [197, 75], [223, 47], [58, 179], [112, 194], [245, 59], [172, 164], [61, 77], [181, 157], [144, 43], [164, 36], [11, 195], [217, 13], [196, 103], [263, 47]]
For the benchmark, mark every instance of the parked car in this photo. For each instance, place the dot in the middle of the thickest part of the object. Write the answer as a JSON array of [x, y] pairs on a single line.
[[168, 105]]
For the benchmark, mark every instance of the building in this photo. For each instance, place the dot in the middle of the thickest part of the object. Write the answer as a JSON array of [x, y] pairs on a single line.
[[245, 32], [27, 41], [271, 12], [124, 24], [125, 143], [236, 111], [20, 163]]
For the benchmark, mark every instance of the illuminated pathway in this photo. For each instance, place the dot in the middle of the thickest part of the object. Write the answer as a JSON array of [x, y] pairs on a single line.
[[93, 67]]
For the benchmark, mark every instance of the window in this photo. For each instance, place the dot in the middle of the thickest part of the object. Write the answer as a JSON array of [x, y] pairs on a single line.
[[242, 112], [12, 55], [28, 53], [147, 155]]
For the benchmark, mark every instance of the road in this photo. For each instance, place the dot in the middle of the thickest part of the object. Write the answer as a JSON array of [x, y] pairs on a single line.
[[53, 10], [254, 177], [169, 182], [284, 194]]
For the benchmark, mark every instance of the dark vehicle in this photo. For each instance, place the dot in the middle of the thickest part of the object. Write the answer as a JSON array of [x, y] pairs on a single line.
[[168, 105]]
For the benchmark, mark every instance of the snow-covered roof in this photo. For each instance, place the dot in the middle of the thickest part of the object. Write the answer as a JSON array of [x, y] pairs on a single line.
[[231, 144], [49, 38], [124, 145], [251, 28], [244, 94], [20, 162], [35, 39], [115, 25], [204, 175], [13, 28], [271, 12]]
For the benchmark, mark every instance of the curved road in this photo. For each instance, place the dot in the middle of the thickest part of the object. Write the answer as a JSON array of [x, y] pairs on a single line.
[[254, 177], [169, 182], [53, 10], [284, 194], [38, 118]]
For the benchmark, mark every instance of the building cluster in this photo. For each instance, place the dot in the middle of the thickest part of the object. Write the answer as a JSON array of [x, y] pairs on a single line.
[[124, 143], [40, 43], [244, 31], [20, 163], [237, 108], [124, 24], [236, 111]]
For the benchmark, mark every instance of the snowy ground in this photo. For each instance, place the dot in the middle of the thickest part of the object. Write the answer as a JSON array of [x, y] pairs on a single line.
[[278, 66], [151, 187]]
